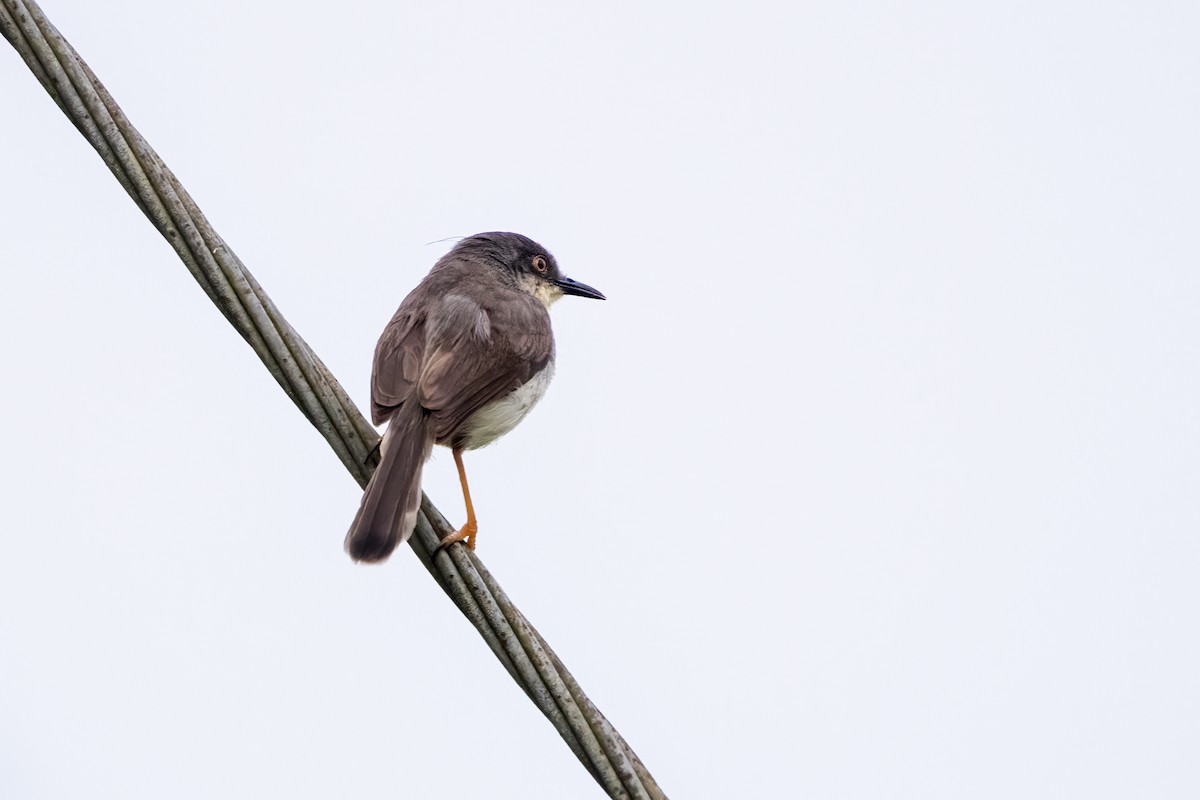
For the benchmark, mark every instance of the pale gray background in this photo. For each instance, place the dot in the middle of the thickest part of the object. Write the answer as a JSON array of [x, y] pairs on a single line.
[[876, 477]]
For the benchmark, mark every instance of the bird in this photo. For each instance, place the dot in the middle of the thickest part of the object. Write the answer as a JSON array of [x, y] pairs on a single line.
[[466, 356]]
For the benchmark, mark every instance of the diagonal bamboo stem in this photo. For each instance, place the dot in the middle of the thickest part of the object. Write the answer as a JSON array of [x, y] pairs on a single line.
[[224, 278]]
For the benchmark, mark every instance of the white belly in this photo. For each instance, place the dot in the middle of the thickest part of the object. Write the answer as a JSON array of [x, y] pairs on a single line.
[[500, 416]]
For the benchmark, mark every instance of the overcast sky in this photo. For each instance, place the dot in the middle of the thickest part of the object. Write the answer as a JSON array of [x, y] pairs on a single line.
[[877, 476]]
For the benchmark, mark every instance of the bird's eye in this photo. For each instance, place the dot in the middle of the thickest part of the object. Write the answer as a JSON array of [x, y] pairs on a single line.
[[539, 263]]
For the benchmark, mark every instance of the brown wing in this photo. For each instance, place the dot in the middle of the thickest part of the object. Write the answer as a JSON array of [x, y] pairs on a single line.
[[398, 360], [458, 355], [477, 355]]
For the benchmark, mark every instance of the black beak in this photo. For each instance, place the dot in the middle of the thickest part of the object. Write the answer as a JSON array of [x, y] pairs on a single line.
[[578, 289]]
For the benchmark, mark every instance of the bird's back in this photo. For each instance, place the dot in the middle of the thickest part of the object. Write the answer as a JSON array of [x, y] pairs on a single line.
[[463, 340]]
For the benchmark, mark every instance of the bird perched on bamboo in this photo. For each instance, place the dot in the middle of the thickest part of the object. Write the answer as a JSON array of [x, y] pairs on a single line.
[[466, 356]]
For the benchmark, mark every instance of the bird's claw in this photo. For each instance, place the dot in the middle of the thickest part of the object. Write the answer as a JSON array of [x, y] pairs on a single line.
[[467, 532]]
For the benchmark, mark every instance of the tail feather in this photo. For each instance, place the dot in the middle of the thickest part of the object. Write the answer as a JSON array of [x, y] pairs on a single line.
[[389, 507]]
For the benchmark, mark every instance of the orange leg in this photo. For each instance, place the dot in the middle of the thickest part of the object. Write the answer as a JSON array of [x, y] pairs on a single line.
[[469, 530]]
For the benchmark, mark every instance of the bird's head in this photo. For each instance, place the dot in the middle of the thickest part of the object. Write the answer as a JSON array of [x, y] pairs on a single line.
[[534, 269]]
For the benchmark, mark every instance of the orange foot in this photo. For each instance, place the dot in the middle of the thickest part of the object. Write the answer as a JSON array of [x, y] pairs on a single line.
[[467, 532]]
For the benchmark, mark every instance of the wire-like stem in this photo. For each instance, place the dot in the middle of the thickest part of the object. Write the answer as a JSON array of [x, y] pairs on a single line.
[[224, 278]]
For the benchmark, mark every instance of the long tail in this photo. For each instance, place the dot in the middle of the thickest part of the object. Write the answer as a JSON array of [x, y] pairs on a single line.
[[389, 507]]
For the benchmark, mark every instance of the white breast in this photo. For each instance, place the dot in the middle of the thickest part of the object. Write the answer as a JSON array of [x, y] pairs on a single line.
[[500, 416]]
